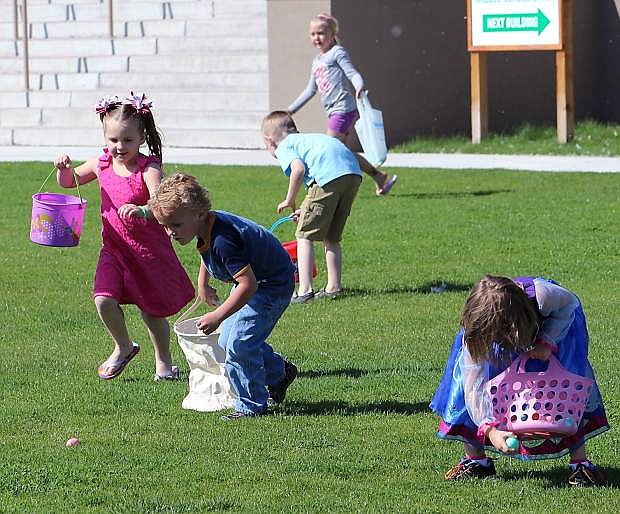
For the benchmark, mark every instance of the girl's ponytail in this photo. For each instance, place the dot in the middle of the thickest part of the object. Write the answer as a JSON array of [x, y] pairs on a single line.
[[152, 135]]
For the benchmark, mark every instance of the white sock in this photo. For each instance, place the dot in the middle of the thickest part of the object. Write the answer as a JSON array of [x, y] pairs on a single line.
[[483, 461]]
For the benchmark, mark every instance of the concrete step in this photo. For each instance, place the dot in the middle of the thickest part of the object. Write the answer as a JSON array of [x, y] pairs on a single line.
[[113, 63], [211, 45], [213, 138], [239, 63], [139, 10], [171, 100], [212, 27], [50, 81], [258, 81], [146, 81], [81, 47], [87, 118], [255, 26], [6, 136], [242, 63], [171, 138]]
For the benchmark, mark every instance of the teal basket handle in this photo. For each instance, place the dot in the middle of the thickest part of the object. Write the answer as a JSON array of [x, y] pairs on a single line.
[[279, 222], [75, 178]]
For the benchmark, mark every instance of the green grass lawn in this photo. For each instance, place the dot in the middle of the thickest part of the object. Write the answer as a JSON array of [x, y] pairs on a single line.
[[355, 433], [591, 138]]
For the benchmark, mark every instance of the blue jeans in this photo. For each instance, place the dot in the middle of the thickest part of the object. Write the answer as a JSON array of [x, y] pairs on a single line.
[[251, 363]]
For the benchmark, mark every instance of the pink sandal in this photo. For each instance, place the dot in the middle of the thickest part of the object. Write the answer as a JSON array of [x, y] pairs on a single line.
[[117, 369], [389, 183]]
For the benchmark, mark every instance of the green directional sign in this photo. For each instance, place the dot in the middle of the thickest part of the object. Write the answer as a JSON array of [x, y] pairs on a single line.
[[533, 22]]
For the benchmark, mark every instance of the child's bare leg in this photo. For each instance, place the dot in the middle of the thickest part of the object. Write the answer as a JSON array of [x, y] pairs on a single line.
[[333, 259], [159, 332], [579, 454], [305, 258], [113, 318], [474, 452], [378, 176]]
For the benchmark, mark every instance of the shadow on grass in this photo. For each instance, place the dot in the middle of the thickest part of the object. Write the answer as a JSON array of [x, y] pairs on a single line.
[[557, 476], [426, 288], [342, 372], [454, 194], [342, 408]]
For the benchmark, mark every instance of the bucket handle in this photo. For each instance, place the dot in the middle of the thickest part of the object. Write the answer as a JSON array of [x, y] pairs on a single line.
[[279, 222], [192, 308], [75, 178]]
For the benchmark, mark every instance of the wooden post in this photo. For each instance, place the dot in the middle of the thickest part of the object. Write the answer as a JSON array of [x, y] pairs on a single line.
[[26, 38], [565, 96], [479, 97], [111, 18]]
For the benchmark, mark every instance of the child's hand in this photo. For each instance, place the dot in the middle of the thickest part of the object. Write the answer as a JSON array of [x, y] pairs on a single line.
[[542, 350], [295, 215], [128, 210], [209, 295], [209, 322], [498, 438], [62, 161], [285, 205]]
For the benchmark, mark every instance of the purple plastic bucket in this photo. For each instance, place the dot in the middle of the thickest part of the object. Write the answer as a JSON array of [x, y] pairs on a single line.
[[56, 219]]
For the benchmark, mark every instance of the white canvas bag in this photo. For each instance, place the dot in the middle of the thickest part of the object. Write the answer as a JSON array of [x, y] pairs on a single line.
[[209, 386]]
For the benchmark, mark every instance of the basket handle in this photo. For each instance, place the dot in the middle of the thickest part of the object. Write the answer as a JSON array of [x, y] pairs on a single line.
[[279, 222], [554, 363], [75, 178]]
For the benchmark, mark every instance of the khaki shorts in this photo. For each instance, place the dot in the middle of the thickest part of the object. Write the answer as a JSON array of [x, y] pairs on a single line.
[[325, 210]]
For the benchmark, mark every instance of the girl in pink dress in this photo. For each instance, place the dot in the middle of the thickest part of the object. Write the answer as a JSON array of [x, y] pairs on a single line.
[[137, 264]]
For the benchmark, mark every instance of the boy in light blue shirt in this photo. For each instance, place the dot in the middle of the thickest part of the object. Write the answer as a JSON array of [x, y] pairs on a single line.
[[331, 173]]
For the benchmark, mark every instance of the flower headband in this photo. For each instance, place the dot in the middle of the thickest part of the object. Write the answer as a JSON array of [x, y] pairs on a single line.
[[107, 103], [140, 103]]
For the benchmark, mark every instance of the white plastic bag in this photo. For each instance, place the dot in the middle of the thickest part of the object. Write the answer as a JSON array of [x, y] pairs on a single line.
[[370, 131], [209, 386]]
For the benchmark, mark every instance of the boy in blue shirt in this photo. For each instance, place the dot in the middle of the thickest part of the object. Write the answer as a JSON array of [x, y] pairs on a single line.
[[331, 173], [234, 249]]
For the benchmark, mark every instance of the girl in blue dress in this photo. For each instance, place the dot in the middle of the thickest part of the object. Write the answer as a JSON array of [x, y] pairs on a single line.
[[501, 319]]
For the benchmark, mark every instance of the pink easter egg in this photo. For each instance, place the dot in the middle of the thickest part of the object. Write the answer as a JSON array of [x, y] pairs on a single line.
[[74, 441]]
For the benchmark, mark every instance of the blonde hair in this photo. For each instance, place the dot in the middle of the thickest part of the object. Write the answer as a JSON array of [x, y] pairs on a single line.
[[179, 191], [498, 310], [328, 22], [278, 124]]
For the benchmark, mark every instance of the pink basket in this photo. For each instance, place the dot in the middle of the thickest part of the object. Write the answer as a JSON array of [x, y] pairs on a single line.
[[539, 403], [57, 219]]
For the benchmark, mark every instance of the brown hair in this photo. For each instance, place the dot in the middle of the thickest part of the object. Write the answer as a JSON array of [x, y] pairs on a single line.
[[278, 124], [179, 191], [498, 310], [144, 121]]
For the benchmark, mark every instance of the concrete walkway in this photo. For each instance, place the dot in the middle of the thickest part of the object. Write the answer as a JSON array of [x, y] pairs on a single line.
[[548, 163]]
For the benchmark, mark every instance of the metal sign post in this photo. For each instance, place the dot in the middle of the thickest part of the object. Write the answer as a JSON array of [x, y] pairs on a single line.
[[520, 25]]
